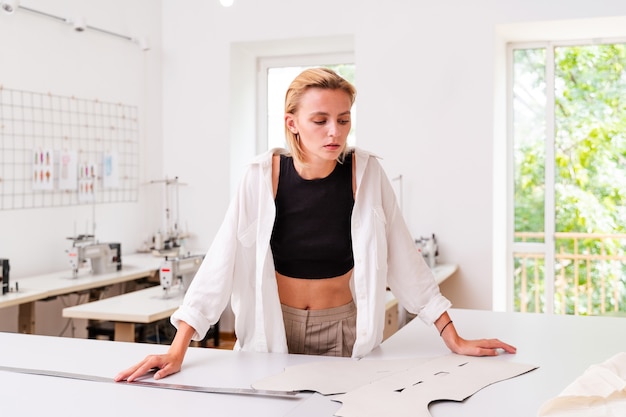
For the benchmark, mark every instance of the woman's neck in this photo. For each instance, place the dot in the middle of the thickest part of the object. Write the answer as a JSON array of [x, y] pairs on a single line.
[[315, 170]]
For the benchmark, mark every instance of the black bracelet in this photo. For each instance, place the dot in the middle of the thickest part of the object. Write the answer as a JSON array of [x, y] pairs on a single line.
[[444, 327]]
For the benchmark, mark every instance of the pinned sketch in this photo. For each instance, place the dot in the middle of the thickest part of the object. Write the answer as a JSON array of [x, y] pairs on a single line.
[[399, 388], [68, 170], [87, 176], [110, 173], [599, 392], [43, 169]]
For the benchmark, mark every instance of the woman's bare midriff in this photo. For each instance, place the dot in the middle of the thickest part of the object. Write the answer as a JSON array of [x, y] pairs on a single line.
[[314, 294]]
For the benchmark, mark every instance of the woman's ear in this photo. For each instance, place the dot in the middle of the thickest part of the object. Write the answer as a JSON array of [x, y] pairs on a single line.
[[290, 123]]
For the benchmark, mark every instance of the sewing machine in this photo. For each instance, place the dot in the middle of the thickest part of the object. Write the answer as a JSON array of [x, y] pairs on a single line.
[[428, 247], [4, 275], [104, 257], [177, 273]]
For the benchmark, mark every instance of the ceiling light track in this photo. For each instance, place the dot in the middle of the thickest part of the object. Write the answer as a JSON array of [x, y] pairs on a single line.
[[78, 23]]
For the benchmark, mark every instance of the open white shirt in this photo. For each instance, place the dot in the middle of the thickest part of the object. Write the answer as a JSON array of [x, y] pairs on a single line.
[[239, 264]]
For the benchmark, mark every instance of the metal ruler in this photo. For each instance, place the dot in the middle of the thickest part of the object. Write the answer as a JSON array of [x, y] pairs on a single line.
[[179, 387]]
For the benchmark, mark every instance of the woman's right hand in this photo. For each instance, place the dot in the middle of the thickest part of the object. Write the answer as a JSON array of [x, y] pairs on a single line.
[[165, 364]]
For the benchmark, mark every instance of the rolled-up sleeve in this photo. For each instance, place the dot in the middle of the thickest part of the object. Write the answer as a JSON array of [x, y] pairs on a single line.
[[410, 279]]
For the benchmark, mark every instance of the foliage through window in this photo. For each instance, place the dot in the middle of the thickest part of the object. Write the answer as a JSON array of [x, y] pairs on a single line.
[[568, 127]]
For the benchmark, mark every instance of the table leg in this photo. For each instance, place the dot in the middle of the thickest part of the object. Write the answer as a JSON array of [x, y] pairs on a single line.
[[124, 332], [26, 318]]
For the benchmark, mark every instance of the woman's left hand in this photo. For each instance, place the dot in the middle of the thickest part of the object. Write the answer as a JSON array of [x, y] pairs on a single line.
[[478, 347]]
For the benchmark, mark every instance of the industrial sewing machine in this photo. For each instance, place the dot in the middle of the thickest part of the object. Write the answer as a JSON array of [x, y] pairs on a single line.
[[177, 273], [429, 249], [104, 257], [4, 275]]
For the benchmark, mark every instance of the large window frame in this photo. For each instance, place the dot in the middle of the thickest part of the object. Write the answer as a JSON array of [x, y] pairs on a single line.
[[547, 248], [502, 283]]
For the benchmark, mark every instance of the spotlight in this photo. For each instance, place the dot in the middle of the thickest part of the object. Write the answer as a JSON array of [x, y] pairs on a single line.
[[79, 24], [9, 6], [142, 42]]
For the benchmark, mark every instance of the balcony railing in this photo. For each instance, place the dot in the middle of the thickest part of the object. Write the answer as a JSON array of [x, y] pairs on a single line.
[[590, 274]]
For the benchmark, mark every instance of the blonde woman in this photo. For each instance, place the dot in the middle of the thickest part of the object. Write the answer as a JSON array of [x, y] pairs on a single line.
[[308, 247]]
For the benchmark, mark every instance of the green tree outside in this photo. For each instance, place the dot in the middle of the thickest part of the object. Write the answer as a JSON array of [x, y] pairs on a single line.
[[590, 172]]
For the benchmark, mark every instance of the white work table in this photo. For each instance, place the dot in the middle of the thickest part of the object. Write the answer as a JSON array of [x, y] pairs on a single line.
[[23, 296], [562, 346], [143, 306], [40, 287]]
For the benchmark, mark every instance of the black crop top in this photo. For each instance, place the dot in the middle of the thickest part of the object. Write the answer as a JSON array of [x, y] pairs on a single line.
[[312, 235]]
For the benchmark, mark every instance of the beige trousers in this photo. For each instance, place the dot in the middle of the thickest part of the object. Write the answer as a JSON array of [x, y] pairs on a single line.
[[327, 332]]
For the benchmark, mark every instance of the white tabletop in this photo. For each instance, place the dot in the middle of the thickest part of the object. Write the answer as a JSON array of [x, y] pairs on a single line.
[[23, 296], [562, 346], [30, 395], [143, 306]]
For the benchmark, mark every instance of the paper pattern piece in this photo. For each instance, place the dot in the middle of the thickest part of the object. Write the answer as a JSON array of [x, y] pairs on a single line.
[[402, 388], [599, 392], [339, 377]]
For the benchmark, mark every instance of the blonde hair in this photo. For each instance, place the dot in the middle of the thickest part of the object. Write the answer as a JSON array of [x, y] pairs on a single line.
[[323, 78]]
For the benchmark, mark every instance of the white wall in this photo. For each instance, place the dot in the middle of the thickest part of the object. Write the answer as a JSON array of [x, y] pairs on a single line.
[[42, 54], [425, 75]]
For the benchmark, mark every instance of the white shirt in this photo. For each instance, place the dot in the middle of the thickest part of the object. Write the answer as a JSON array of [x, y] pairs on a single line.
[[239, 264]]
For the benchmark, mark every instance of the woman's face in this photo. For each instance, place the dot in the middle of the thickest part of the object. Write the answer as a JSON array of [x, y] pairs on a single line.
[[323, 122]]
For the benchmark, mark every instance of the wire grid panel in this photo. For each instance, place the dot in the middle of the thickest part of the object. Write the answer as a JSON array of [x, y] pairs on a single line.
[[33, 124]]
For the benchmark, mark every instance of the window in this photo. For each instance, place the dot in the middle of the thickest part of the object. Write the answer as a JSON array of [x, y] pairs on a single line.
[[275, 75], [567, 134]]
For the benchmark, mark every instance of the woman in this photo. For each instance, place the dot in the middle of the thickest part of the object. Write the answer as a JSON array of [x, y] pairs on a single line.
[[308, 247]]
